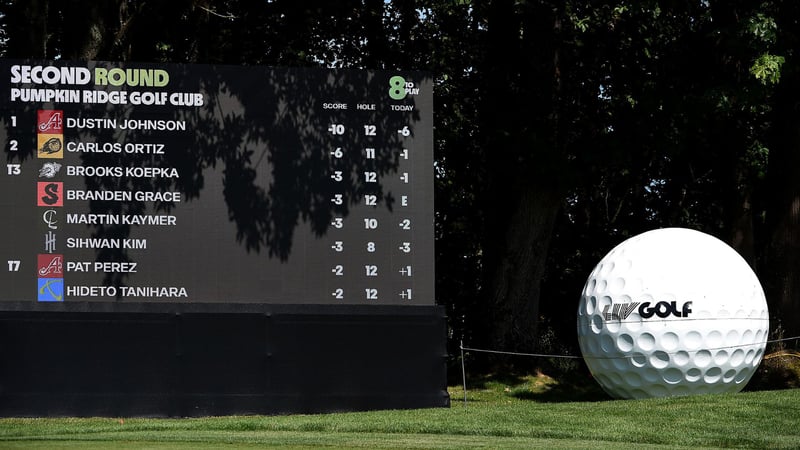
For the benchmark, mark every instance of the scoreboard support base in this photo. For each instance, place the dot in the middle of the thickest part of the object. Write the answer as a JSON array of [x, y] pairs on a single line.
[[202, 360]]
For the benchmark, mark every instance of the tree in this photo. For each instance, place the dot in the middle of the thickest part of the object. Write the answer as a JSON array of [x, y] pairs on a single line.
[[781, 251], [607, 119]]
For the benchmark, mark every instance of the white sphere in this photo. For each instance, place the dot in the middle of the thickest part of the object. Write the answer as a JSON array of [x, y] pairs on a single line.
[[672, 312]]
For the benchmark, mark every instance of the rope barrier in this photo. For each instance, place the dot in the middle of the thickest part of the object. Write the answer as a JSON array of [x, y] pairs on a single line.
[[540, 355], [545, 355]]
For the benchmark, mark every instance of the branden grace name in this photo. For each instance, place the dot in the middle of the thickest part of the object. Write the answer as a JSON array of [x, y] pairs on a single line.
[[124, 196]]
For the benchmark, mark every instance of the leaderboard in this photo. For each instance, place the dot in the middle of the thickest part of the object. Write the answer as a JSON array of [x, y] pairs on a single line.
[[144, 183]]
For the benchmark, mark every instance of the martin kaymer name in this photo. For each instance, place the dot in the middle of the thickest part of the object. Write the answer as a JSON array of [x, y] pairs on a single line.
[[124, 219], [124, 196]]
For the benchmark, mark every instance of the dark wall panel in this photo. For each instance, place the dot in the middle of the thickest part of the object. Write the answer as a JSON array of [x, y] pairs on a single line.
[[282, 359]]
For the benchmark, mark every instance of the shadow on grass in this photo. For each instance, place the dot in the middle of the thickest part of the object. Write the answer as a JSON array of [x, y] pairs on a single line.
[[572, 390], [537, 386], [492, 380]]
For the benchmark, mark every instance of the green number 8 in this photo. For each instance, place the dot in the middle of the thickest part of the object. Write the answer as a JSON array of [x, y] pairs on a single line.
[[397, 87]]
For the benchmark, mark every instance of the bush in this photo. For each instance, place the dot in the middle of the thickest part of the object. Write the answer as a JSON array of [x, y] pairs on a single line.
[[778, 370]]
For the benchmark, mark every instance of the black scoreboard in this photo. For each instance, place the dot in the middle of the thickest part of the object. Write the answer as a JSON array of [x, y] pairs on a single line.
[[141, 183], [188, 240]]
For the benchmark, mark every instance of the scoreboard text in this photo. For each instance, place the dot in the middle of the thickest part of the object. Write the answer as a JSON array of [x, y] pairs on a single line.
[[147, 183]]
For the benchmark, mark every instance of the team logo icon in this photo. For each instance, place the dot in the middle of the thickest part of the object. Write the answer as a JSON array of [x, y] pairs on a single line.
[[50, 218], [50, 193], [50, 121], [50, 242], [50, 146], [50, 290], [50, 266], [49, 170]]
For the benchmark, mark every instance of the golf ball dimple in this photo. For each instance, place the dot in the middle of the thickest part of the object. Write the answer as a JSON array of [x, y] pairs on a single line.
[[672, 312]]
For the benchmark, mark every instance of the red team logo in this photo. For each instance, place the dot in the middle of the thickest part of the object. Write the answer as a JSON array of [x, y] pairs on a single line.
[[50, 193], [50, 266], [50, 121]]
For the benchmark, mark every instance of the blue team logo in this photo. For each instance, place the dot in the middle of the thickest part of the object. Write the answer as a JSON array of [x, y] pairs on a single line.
[[50, 290]]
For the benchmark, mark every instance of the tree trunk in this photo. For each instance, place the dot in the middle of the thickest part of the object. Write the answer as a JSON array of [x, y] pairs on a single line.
[[516, 278], [781, 274], [523, 193], [86, 32]]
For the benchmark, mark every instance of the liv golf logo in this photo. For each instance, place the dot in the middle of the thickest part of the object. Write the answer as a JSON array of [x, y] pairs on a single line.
[[621, 311]]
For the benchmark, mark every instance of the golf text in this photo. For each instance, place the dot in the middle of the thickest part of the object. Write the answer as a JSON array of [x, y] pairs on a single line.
[[621, 311]]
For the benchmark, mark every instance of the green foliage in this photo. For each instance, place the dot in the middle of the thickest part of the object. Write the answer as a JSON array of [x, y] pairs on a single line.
[[767, 68], [756, 160], [779, 370], [763, 28], [634, 115]]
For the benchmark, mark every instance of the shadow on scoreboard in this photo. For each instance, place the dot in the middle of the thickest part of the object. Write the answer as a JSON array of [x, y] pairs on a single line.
[[262, 134], [285, 359]]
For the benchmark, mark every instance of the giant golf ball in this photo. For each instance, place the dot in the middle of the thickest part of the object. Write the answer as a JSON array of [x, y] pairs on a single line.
[[672, 312]]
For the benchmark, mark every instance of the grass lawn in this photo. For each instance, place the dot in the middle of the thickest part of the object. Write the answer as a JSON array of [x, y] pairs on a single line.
[[522, 412]]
